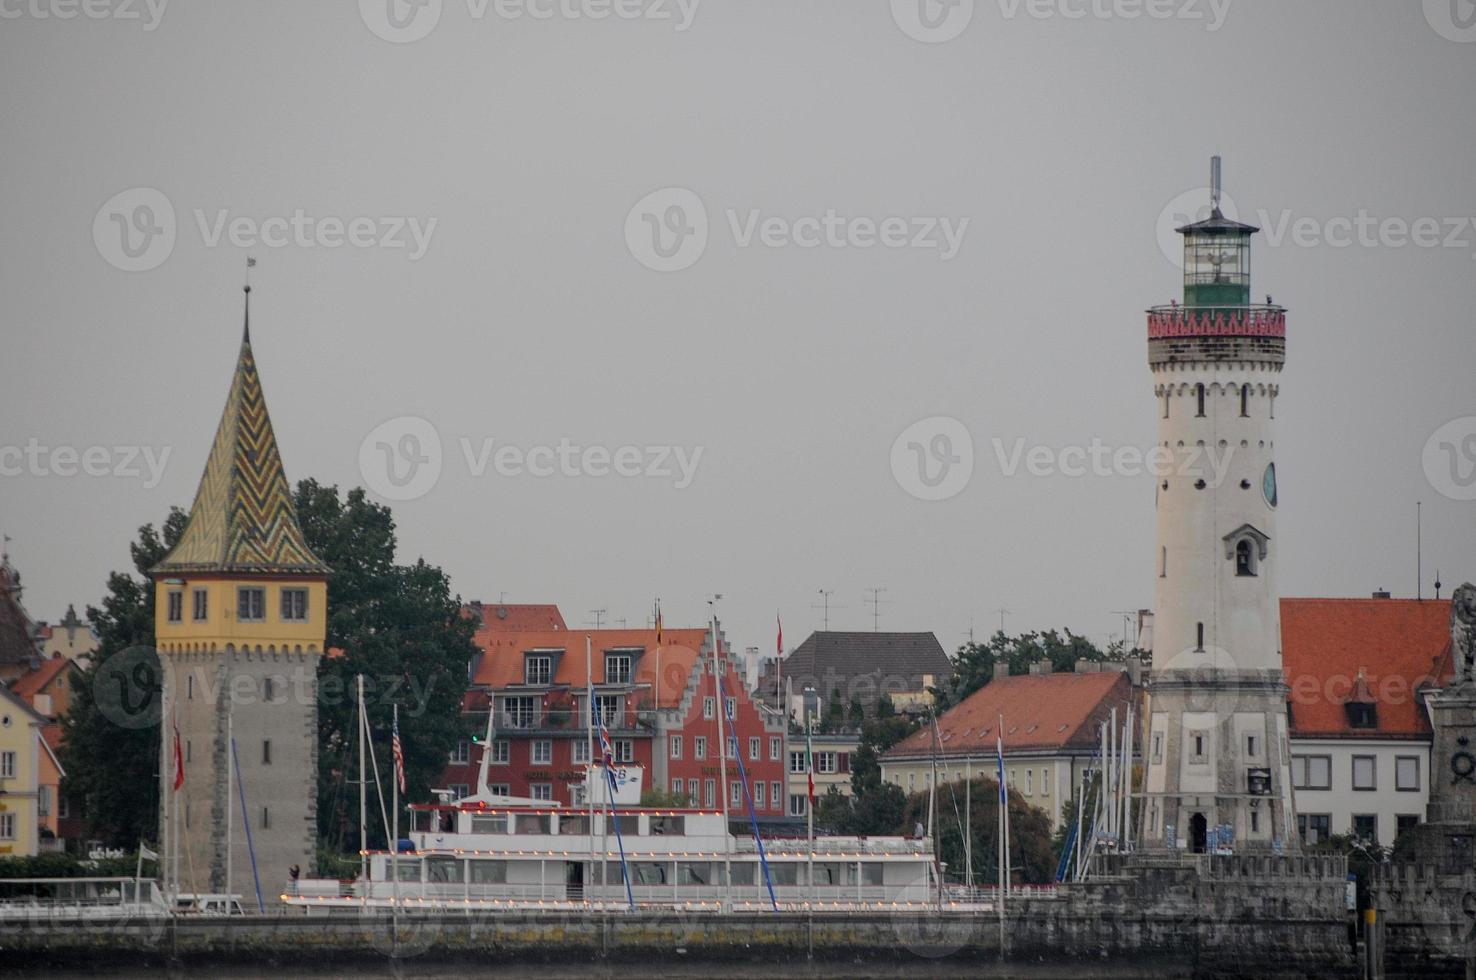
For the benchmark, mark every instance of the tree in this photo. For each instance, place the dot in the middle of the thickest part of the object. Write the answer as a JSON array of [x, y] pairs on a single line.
[[110, 733], [857, 713], [1031, 858], [402, 628], [658, 798]]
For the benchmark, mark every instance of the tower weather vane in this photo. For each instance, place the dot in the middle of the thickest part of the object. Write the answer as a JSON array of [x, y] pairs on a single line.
[[1215, 182]]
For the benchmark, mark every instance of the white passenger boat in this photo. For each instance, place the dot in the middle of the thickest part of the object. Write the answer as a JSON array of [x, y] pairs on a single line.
[[482, 854]]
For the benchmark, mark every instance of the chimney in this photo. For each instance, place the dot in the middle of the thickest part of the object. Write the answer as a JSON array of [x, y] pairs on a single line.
[[1040, 667], [1001, 670], [1380, 594], [1088, 667]]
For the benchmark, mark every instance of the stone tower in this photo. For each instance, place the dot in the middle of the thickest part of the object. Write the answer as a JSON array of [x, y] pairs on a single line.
[[1216, 754], [239, 622]]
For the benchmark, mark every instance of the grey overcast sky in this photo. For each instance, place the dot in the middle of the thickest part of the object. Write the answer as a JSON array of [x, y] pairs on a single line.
[[532, 316]]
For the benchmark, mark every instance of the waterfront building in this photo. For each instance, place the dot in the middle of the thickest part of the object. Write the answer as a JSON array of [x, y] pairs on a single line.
[[859, 666], [1358, 673], [239, 619], [833, 752], [1051, 735], [656, 696], [29, 776], [1217, 753]]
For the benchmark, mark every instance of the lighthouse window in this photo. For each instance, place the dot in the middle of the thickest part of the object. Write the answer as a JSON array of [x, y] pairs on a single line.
[[1199, 637], [1245, 401], [1163, 562], [1166, 399], [1199, 396], [1245, 558]]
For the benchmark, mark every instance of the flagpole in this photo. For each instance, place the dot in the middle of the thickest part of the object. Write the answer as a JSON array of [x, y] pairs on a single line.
[[809, 799], [229, 857], [722, 709], [395, 830], [589, 783], [174, 800], [968, 824], [363, 798]]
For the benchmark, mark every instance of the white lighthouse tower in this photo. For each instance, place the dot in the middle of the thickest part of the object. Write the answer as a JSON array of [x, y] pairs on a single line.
[[1217, 766]]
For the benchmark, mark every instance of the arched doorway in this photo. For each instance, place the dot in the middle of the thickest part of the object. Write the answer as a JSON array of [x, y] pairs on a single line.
[[1198, 832]]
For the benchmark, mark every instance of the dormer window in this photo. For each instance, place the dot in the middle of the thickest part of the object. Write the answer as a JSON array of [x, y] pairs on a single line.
[[538, 670], [617, 668], [1362, 714]]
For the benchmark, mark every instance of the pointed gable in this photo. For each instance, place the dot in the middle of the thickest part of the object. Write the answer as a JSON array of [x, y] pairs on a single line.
[[243, 519]]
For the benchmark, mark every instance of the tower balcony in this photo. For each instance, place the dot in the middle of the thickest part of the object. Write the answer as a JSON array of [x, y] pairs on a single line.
[[1190, 334], [1216, 321]]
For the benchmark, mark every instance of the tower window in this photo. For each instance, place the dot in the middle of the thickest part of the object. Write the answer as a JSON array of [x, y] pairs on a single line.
[[266, 751], [1245, 401], [266, 818], [1199, 396], [201, 600], [251, 604], [1255, 821], [294, 605], [189, 687], [176, 606], [1163, 562], [1245, 558], [1167, 398], [1199, 637]]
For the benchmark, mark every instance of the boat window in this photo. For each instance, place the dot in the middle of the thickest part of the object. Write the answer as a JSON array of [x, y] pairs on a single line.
[[871, 874], [641, 872], [630, 825], [742, 873], [444, 871], [827, 873], [532, 823], [489, 823], [409, 869], [671, 826], [488, 872], [694, 873], [572, 825], [780, 874]]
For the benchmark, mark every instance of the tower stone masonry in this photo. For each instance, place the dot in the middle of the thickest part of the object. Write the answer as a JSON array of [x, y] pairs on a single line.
[[1217, 768], [240, 620]]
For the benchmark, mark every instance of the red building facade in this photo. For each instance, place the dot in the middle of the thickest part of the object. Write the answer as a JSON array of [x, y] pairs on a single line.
[[657, 697]]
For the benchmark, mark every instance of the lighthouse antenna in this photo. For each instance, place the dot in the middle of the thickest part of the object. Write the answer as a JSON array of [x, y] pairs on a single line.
[[1215, 182]]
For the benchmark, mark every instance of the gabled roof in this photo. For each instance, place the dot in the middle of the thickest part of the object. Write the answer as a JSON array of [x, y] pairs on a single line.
[[243, 519], [1398, 646], [503, 616], [501, 663], [1042, 712], [16, 701], [826, 660], [34, 682]]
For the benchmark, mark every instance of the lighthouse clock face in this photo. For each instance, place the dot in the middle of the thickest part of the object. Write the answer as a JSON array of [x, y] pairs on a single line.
[[1268, 484]]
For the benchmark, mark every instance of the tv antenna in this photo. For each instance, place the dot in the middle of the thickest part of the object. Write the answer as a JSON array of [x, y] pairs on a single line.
[[599, 616], [874, 597], [1002, 614], [1127, 618], [824, 604]]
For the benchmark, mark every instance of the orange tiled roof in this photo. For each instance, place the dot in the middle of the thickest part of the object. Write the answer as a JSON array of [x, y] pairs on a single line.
[[1398, 646], [32, 683], [501, 663], [503, 617], [1041, 712]]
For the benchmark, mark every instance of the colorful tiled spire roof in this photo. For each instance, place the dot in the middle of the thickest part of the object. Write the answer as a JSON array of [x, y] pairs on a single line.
[[243, 519]]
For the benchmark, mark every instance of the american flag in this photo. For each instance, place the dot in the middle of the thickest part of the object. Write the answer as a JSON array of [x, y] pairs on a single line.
[[399, 754]]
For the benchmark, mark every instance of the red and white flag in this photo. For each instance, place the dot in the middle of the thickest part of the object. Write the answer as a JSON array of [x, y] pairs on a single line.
[[779, 640], [178, 758]]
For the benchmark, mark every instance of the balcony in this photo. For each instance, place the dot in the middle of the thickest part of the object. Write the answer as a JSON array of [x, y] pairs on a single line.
[[1165, 322], [541, 719]]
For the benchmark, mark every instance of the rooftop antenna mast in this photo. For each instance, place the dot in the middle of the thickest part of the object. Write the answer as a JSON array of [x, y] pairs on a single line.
[[1215, 183], [876, 603], [1002, 614], [1419, 552], [1127, 619], [824, 604], [599, 616]]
